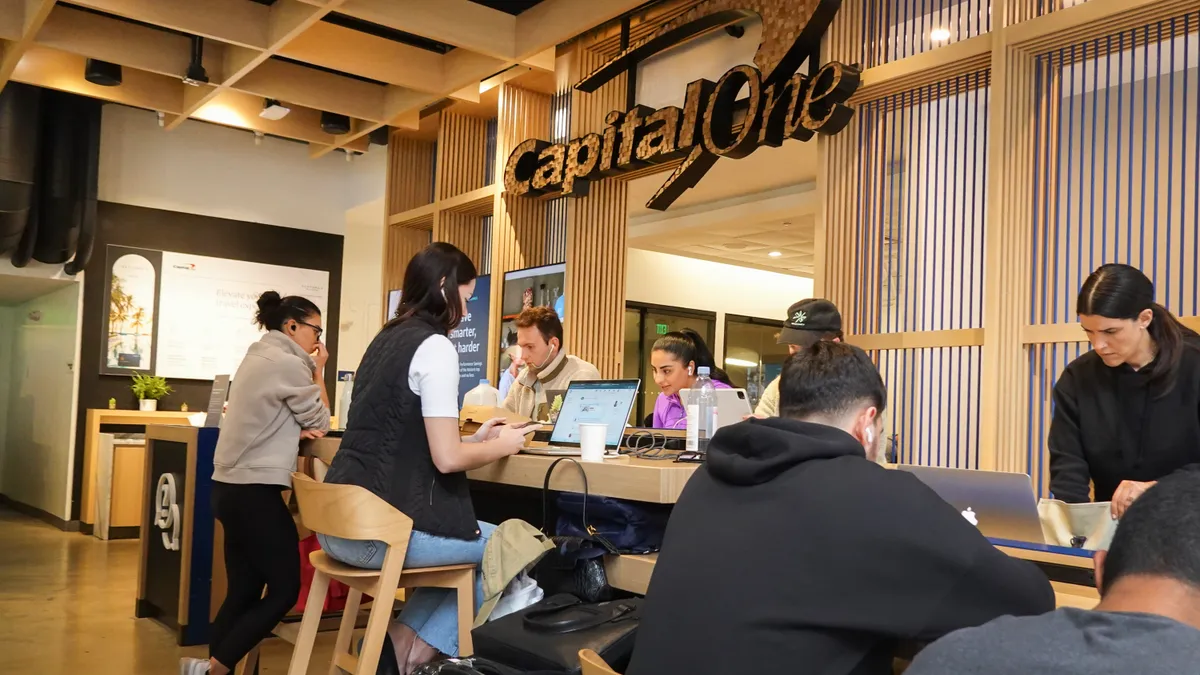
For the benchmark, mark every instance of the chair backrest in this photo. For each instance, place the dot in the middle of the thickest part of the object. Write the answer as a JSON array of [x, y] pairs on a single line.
[[349, 512], [592, 664]]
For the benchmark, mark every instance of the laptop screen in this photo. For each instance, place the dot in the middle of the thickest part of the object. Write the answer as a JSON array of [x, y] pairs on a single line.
[[606, 401]]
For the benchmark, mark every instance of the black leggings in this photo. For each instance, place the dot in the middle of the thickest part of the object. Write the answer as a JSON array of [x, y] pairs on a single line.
[[262, 548]]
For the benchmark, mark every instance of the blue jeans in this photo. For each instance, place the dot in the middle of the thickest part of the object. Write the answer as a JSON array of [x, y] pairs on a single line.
[[431, 612]]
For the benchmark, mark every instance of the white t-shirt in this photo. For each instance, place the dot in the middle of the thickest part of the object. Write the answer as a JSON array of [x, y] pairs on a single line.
[[433, 375]]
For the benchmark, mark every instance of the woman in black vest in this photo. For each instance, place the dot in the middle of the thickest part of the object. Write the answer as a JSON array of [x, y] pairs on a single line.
[[402, 442], [1128, 412]]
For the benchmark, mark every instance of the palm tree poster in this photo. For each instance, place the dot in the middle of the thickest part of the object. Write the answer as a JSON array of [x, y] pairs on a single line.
[[132, 294]]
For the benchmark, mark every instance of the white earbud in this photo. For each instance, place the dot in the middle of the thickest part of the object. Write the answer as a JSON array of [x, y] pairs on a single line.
[[690, 371], [870, 436], [547, 359]]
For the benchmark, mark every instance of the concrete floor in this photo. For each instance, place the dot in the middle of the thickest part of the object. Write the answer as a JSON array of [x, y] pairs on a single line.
[[66, 608]]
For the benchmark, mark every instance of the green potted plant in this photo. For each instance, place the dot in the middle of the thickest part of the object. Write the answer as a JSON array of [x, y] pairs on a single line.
[[149, 389]]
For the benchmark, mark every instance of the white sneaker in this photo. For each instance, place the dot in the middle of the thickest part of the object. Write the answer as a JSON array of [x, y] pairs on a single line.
[[190, 666]]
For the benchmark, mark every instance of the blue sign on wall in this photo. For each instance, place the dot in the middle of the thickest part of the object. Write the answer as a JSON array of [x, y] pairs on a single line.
[[471, 338]]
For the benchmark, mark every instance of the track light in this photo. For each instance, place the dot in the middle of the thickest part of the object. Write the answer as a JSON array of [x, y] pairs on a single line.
[[162, 119], [195, 71], [379, 136], [335, 124], [258, 136], [349, 154], [102, 73], [273, 110]]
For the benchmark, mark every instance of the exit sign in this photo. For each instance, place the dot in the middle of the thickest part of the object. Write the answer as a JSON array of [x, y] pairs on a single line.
[[662, 328]]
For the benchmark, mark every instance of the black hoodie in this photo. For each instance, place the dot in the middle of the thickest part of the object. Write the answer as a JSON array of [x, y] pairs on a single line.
[[790, 552]]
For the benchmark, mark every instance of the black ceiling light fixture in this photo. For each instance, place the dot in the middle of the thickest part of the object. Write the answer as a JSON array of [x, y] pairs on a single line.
[[102, 73], [335, 124], [379, 136], [195, 72]]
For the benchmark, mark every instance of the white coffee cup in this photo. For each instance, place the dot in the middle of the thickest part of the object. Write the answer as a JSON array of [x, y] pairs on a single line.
[[592, 436]]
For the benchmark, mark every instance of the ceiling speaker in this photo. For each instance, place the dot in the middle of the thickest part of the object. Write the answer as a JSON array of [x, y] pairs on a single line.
[[102, 73], [335, 124], [379, 136]]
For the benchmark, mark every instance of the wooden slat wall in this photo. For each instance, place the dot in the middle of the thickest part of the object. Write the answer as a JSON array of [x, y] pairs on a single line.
[[518, 223], [464, 230], [597, 230], [410, 173], [461, 154], [402, 244]]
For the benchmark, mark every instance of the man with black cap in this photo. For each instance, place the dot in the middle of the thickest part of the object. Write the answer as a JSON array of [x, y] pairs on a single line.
[[808, 322]]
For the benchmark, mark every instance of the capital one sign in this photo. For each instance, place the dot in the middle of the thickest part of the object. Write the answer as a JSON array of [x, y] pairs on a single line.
[[782, 105]]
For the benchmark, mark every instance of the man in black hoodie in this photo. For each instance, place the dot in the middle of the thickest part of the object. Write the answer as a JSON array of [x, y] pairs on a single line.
[[793, 551]]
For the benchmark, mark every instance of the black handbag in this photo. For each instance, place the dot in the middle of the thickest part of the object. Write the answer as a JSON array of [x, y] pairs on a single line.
[[576, 565], [548, 635]]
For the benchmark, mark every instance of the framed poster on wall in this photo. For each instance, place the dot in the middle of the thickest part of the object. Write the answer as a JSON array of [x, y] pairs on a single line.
[[186, 316], [131, 294]]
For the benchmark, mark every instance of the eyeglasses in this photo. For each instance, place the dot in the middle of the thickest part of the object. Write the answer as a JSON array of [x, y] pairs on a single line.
[[316, 329]]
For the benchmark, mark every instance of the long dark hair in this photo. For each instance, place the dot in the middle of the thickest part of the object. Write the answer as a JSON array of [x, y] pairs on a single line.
[[687, 346], [274, 311], [431, 283], [1116, 291]]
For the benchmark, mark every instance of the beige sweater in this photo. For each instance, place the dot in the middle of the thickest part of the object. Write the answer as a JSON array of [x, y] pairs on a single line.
[[529, 390], [768, 405]]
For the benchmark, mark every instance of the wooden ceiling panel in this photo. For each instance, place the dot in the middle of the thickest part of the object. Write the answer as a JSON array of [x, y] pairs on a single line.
[[313, 88], [54, 69], [238, 109], [349, 51], [11, 15], [235, 21], [127, 44], [460, 23]]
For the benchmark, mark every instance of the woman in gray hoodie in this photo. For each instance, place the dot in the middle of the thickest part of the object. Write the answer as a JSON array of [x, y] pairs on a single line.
[[278, 397]]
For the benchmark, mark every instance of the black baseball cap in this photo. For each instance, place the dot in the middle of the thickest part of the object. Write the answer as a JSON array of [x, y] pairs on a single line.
[[809, 318]]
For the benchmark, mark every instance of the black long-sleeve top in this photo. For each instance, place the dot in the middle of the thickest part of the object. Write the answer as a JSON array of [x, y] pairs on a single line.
[[1110, 425]]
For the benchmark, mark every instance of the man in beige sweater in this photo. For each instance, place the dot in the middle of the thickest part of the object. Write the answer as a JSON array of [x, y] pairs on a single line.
[[547, 366]]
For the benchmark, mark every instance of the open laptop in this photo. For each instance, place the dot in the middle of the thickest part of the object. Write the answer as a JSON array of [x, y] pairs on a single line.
[[607, 401], [732, 405], [1002, 504]]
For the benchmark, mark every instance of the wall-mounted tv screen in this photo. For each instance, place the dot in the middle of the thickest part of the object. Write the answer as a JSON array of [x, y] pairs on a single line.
[[533, 287], [393, 304]]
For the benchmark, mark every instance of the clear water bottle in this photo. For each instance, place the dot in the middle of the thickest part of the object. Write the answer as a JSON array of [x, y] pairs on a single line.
[[701, 412]]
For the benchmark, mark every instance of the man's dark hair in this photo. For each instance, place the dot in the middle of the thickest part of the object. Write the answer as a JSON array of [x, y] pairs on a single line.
[[546, 321], [829, 379], [1159, 535]]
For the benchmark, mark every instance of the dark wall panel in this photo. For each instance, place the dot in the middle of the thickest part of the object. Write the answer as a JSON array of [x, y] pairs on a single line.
[[197, 235]]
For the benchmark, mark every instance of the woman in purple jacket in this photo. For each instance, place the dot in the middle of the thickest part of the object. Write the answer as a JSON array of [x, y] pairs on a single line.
[[676, 360]]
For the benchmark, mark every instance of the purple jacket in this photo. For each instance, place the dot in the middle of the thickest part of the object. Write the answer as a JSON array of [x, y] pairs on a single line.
[[669, 412]]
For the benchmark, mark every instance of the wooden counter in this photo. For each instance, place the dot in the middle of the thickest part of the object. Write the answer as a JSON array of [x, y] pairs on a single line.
[[632, 573], [643, 480], [97, 417]]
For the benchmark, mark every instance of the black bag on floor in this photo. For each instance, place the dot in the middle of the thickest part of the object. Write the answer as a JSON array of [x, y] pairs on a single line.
[[576, 565], [547, 636]]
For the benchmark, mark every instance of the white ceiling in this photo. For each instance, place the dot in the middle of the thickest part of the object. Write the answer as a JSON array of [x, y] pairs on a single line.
[[739, 212], [15, 290]]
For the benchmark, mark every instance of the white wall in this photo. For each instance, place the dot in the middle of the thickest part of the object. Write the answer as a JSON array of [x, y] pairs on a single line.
[[40, 376], [687, 283], [218, 171]]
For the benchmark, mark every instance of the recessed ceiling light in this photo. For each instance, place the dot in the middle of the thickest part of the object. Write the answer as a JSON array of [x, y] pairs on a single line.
[[939, 34], [775, 254]]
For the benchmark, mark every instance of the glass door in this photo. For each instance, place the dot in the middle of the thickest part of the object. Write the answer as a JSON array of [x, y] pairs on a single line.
[[644, 324], [753, 356]]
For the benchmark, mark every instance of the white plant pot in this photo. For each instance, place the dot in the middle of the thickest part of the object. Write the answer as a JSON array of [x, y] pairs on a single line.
[[147, 405]]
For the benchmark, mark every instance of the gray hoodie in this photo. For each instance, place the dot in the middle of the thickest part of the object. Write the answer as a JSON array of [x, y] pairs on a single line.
[[271, 400]]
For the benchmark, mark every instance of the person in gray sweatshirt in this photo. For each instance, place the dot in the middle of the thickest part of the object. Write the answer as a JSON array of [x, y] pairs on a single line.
[[277, 398]]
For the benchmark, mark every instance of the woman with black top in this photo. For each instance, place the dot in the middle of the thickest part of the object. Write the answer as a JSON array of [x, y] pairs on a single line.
[[1126, 413], [402, 443]]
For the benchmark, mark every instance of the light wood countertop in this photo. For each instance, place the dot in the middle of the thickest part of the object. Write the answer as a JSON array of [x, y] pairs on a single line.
[[643, 480]]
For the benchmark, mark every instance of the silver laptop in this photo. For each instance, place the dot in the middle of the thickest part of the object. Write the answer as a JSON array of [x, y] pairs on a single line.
[[1002, 504], [606, 401], [732, 405]]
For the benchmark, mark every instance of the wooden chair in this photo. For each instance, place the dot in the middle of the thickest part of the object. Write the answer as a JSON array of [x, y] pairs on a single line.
[[352, 512], [592, 664]]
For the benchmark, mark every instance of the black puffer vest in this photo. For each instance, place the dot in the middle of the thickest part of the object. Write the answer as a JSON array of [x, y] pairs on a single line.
[[385, 449]]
